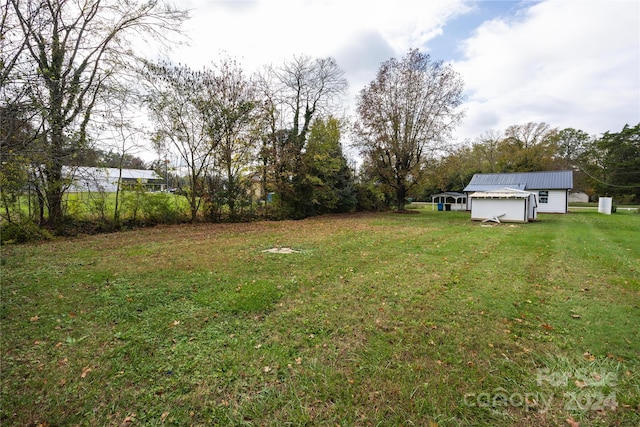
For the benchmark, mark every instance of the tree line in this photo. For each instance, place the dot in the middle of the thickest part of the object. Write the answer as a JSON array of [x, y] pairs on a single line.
[[70, 77], [73, 84], [605, 165]]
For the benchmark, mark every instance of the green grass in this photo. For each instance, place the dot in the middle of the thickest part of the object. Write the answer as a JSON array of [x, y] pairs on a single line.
[[379, 319]]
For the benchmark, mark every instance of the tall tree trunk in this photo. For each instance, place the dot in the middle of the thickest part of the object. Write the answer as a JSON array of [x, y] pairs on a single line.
[[401, 194]]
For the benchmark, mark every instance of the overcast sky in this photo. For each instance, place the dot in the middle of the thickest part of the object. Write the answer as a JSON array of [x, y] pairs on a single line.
[[563, 62]]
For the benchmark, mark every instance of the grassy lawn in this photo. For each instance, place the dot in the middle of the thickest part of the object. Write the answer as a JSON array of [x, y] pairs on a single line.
[[380, 319]]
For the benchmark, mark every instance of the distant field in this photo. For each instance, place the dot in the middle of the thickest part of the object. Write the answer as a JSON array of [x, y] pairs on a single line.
[[370, 319]]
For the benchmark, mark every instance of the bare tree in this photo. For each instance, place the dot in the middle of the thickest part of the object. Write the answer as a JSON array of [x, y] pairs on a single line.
[[486, 150], [405, 116], [123, 134], [180, 109], [529, 135], [68, 52], [309, 87], [303, 88], [231, 108], [528, 147]]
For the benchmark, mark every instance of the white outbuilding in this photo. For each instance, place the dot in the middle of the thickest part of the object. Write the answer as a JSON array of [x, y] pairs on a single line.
[[503, 205], [105, 180], [550, 187]]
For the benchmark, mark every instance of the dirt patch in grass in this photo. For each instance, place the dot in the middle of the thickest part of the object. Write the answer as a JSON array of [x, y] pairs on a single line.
[[281, 251]]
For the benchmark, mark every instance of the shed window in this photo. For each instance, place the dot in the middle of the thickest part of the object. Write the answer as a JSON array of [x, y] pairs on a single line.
[[543, 196]]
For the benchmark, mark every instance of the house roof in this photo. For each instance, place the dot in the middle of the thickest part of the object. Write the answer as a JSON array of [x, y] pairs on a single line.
[[449, 193], [503, 193], [84, 172], [550, 180]]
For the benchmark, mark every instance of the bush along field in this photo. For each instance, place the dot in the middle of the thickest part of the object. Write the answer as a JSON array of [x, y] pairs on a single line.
[[363, 319]]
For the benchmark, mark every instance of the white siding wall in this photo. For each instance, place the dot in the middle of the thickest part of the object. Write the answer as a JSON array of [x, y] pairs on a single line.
[[514, 209], [557, 201]]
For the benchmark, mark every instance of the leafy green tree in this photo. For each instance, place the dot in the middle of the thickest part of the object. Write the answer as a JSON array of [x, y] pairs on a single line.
[[405, 116], [571, 144], [328, 181], [613, 164]]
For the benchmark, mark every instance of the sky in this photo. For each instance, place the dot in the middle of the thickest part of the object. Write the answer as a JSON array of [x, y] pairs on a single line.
[[569, 63]]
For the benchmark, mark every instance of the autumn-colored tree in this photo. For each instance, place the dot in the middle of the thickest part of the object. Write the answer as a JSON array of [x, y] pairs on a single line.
[[405, 117]]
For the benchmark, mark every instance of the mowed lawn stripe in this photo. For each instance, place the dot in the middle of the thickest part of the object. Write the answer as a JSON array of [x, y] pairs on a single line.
[[376, 318]]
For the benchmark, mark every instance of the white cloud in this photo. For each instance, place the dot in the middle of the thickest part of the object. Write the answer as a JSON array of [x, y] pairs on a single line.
[[360, 33], [568, 63]]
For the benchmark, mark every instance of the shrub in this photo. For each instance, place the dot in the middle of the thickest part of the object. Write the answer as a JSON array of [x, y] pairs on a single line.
[[158, 208], [22, 232]]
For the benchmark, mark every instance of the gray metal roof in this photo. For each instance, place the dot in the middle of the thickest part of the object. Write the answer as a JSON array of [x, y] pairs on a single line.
[[450, 193], [551, 180]]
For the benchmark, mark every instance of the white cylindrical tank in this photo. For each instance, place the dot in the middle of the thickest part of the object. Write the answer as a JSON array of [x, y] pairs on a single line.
[[604, 205]]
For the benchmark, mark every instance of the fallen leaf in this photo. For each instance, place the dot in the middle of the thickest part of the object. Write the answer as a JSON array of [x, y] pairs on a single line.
[[85, 371], [547, 326], [34, 318], [588, 356], [575, 316], [176, 322], [572, 422], [266, 369], [128, 419], [580, 384], [164, 416]]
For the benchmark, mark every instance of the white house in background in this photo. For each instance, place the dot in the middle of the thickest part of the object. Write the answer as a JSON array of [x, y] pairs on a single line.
[[578, 197], [91, 179], [504, 205], [551, 188], [449, 201]]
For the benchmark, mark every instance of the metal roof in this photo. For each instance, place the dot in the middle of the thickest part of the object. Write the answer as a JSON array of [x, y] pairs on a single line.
[[113, 173], [450, 193], [550, 180], [503, 193]]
